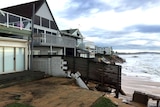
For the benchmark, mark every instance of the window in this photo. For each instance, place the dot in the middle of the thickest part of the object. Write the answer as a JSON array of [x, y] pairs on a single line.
[[3, 18], [40, 31], [78, 34], [53, 25], [53, 33], [37, 20], [45, 22], [47, 32], [14, 21], [35, 30]]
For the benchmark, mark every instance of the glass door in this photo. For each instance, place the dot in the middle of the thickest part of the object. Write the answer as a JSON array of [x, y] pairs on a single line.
[[8, 59], [20, 59]]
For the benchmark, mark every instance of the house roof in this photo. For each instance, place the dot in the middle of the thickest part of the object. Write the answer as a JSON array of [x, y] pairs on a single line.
[[26, 9], [70, 32]]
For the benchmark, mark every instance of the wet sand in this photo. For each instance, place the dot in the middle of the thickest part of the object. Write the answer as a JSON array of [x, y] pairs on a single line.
[[142, 84], [131, 84]]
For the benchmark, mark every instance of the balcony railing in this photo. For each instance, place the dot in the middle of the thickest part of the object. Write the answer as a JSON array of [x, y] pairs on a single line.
[[53, 40], [12, 20]]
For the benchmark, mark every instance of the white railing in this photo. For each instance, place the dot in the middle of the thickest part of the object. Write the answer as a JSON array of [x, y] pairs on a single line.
[[12, 20], [43, 39]]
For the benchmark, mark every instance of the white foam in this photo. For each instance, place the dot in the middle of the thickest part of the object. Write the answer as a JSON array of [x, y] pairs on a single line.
[[143, 65]]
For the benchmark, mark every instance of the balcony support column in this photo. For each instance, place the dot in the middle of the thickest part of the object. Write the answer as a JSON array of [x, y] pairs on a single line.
[[7, 20], [51, 53], [74, 51], [64, 51]]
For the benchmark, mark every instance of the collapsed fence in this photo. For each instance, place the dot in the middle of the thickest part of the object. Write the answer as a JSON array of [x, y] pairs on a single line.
[[93, 70], [90, 69]]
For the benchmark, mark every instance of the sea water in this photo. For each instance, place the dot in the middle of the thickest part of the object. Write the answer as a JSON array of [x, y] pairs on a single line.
[[143, 65]]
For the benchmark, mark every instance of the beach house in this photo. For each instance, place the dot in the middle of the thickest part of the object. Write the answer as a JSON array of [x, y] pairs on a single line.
[[20, 26], [15, 31], [104, 50], [77, 39], [30, 29]]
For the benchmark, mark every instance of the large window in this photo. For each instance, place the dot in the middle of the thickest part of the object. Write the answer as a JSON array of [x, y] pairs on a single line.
[[37, 20], [45, 22]]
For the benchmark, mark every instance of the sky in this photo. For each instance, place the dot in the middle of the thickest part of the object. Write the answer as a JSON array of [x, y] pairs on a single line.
[[124, 25]]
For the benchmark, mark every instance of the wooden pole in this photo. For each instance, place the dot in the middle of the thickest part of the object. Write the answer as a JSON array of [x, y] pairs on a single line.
[[32, 40]]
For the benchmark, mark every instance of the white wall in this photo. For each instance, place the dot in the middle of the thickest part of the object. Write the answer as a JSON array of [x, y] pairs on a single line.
[[44, 12], [53, 66]]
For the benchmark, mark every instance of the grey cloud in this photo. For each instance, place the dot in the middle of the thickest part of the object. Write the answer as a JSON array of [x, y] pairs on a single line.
[[120, 39], [144, 28], [96, 32], [133, 4], [79, 8], [139, 47]]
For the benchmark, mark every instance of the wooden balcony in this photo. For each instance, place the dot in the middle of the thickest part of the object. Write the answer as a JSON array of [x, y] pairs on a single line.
[[14, 24], [53, 40]]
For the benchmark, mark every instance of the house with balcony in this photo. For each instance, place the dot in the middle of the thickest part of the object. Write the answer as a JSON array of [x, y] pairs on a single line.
[[77, 41], [83, 48], [90, 48], [47, 39], [15, 31], [104, 50], [30, 28]]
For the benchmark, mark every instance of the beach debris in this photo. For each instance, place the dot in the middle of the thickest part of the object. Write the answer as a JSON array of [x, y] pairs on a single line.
[[140, 97], [101, 87], [126, 101], [116, 103], [16, 97], [78, 79]]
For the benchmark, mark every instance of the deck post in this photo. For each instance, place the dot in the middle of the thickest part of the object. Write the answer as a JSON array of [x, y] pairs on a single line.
[[32, 40]]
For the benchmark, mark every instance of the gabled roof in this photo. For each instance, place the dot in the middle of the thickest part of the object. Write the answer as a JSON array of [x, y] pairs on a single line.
[[26, 9], [70, 32]]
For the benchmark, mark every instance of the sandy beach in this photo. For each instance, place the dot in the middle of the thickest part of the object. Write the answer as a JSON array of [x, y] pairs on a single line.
[[142, 84], [132, 83]]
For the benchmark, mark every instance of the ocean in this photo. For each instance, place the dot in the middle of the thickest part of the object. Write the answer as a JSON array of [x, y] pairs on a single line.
[[145, 65]]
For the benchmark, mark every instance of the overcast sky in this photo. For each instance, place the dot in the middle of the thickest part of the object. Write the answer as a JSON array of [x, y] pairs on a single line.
[[132, 25]]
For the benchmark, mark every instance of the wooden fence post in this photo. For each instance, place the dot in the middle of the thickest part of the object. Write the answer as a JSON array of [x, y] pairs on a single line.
[[88, 68], [118, 86], [74, 64]]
